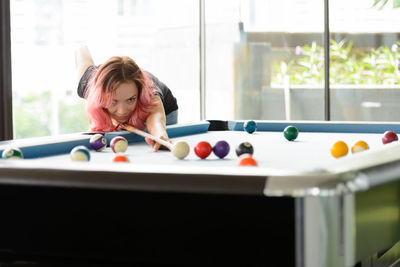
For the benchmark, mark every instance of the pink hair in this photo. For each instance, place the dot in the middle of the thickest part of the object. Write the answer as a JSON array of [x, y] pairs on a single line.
[[105, 80]]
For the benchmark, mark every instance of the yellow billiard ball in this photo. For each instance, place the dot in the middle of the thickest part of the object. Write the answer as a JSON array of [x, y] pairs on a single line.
[[339, 149], [359, 146]]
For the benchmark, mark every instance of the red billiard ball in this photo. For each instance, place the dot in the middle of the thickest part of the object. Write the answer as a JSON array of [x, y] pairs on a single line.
[[203, 149], [389, 136], [246, 160]]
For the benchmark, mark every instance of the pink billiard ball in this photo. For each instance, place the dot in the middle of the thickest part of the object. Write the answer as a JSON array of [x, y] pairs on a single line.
[[119, 144], [389, 136]]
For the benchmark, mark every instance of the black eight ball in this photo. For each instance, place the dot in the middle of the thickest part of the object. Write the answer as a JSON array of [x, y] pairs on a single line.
[[244, 148]]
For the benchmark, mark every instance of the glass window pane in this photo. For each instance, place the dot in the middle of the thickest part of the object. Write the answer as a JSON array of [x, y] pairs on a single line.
[[265, 59], [364, 60], [161, 36]]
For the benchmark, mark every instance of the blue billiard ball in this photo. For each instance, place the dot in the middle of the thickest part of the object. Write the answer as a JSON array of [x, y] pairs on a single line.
[[98, 142], [80, 153], [221, 149], [250, 126]]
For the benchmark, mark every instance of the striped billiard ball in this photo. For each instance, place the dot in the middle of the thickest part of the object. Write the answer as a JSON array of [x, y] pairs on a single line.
[[80, 153], [98, 142], [12, 153], [119, 144]]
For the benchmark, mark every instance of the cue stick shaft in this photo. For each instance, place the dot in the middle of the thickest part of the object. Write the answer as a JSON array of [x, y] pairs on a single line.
[[132, 129]]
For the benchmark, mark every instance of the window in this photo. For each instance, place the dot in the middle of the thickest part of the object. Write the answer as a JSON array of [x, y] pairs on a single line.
[[364, 62], [161, 36], [249, 47], [264, 59]]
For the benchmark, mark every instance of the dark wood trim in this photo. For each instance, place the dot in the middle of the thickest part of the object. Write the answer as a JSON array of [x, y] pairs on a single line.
[[6, 125]]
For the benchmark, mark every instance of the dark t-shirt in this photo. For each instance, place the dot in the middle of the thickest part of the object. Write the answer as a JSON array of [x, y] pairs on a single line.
[[168, 100]]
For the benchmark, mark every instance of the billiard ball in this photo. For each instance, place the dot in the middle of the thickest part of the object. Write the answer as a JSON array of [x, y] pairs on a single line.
[[221, 149], [246, 160], [290, 132], [359, 146], [120, 157], [203, 149], [244, 148], [389, 136], [12, 153], [180, 149], [250, 126], [80, 153], [339, 149], [98, 142], [119, 144]]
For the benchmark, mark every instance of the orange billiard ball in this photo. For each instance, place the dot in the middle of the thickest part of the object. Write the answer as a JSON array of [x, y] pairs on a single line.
[[119, 157], [359, 146], [339, 149], [246, 160]]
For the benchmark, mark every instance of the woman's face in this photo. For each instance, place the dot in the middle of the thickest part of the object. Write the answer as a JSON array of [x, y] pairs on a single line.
[[124, 102]]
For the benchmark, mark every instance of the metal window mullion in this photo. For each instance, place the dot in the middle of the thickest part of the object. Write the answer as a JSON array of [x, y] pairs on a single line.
[[202, 54], [6, 126], [327, 58]]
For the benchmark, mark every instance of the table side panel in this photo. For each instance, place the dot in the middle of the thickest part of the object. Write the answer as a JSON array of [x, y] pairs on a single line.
[[377, 218], [147, 227]]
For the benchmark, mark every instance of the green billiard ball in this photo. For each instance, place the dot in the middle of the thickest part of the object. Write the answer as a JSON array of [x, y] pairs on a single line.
[[290, 132], [12, 153]]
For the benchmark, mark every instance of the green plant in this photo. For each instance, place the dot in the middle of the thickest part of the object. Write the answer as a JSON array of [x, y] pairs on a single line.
[[32, 115], [396, 3], [347, 65], [72, 117]]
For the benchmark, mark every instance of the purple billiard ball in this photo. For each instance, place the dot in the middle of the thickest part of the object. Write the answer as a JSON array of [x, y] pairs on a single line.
[[98, 142], [221, 149]]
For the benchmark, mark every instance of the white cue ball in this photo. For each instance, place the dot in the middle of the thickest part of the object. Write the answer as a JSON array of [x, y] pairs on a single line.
[[180, 149]]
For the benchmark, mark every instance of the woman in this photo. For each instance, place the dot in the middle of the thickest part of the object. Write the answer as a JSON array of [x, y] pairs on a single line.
[[119, 92]]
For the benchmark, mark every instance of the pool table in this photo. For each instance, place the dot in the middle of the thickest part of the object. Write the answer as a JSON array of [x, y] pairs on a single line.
[[299, 207]]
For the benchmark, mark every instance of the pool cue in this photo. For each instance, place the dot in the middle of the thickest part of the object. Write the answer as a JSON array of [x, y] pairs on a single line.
[[179, 149]]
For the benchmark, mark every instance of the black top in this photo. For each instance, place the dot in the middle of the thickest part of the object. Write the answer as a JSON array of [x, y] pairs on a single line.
[[168, 100]]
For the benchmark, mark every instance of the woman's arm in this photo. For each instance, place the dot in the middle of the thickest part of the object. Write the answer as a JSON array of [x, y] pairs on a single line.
[[156, 123], [83, 59]]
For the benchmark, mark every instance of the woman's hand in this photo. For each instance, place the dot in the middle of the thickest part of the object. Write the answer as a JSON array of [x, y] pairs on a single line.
[[156, 146]]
